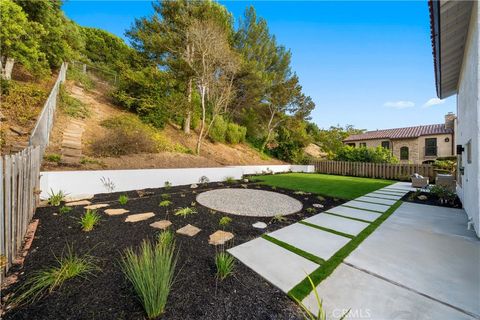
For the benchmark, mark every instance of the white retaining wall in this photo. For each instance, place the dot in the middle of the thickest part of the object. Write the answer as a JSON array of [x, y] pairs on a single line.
[[77, 183]]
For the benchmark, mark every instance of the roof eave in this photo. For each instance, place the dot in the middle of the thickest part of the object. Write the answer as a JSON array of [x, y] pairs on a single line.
[[434, 8]]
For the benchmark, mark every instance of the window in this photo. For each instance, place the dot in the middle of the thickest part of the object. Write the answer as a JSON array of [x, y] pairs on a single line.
[[404, 153], [363, 144], [468, 148], [386, 144], [351, 144], [430, 147]]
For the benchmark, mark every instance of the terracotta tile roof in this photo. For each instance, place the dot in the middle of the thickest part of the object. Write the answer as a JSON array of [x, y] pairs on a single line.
[[402, 133]]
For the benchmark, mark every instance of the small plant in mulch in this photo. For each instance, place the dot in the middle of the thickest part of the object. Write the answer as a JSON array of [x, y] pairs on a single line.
[[165, 203], [150, 270], [203, 180], [167, 185], [444, 194], [414, 195], [184, 212], [123, 199], [193, 204], [224, 221], [225, 264], [56, 198], [311, 210], [165, 238], [229, 180], [320, 198], [279, 218], [211, 211], [53, 157], [166, 196], [45, 281], [89, 220], [64, 209]]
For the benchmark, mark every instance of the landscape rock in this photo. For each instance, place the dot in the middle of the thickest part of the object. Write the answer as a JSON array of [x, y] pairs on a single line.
[[115, 212], [143, 193], [139, 217], [193, 186], [188, 230], [259, 225], [220, 237], [78, 197], [162, 224], [422, 197], [245, 180], [318, 205], [96, 206], [78, 203]]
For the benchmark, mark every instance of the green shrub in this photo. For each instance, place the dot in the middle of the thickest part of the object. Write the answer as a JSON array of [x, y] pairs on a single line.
[[229, 180], [80, 78], [23, 102], [165, 203], [123, 199], [69, 266], [89, 220], [363, 154], [224, 221], [54, 199], [53, 157], [165, 196], [218, 130], [151, 270], [72, 106], [443, 193], [165, 238], [64, 209], [235, 133], [167, 185], [279, 218], [225, 264], [184, 212]]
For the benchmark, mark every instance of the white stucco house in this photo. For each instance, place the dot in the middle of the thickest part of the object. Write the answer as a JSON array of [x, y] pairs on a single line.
[[455, 42]]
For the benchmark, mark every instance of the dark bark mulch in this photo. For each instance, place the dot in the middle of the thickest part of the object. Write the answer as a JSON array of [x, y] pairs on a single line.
[[432, 200], [196, 293]]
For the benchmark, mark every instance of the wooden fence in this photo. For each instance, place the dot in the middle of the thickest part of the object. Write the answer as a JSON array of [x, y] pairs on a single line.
[[374, 170], [19, 174]]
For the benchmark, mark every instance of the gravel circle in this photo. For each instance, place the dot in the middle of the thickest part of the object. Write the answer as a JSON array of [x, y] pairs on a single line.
[[248, 202]]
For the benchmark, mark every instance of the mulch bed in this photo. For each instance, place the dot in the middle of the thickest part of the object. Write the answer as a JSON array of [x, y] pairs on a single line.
[[432, 200], [196, 293]]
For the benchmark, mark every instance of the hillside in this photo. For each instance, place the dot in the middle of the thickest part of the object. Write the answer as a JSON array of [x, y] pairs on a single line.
[[99, 108]]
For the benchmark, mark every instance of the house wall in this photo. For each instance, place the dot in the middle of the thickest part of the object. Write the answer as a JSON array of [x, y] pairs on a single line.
[[468, 121]]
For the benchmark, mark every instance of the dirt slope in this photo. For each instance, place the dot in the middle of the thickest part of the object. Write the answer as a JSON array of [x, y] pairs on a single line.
[[101, 108]]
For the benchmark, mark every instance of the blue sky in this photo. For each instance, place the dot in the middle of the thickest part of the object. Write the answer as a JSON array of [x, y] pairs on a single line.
[[368, 64]]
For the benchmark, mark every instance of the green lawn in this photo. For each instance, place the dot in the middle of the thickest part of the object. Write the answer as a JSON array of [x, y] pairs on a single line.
[[328, 185]]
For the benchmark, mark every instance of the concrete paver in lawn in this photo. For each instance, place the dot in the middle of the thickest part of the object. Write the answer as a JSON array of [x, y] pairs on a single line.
[[405, 186], [425, 249], [389, 192], [387, 202], [345, 225], [367, 206], [383, 196], [320, 243], [355, 213], [277, 265], [369, 297]]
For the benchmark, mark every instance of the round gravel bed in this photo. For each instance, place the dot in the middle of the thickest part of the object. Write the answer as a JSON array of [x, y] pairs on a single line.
[[247, 202]]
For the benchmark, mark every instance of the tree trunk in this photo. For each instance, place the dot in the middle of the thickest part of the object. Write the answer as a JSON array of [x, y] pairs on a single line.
[[188, 117], [202, 127], [264, 144], [6, 71]]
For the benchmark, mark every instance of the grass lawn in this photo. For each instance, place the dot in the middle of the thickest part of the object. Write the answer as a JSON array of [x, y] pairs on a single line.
[[329, 185]]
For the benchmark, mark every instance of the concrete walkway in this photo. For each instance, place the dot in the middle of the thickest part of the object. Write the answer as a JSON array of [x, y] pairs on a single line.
[[422, 263], [288, 255]]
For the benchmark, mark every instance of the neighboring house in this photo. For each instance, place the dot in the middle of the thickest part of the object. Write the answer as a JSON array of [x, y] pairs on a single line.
[[420, 144], [455, 42]]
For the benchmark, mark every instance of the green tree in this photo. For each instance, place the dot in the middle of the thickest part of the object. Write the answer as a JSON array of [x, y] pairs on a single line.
[[331, 139]]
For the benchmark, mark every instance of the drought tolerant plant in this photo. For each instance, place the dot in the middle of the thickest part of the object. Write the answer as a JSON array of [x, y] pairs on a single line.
[[320, 198], [165, 238], [225, 264], [167, 185], [279, 218], [224, 221], [311, 210], [54, 199], [229, 180], [64, 209], [165, 196], [108, 184], [150, 270], [53, 157], [69, 265], [443, 193], [123, 199], [184, 212], [203, 180], [414, 194], [89, 220], [165, 203]]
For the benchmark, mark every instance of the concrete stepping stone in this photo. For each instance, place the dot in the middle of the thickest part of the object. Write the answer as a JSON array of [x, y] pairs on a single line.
[[259, 225], [139, 217], [383, 196], [115, 212], [367, 206], [345, 225], [162, 224], [387, 202], [189, 230], [79, 197], [395, 190], [355, 213], [282, 268], [320, 243], [390, 192], [220, 237], [78, 203], [96, 206]]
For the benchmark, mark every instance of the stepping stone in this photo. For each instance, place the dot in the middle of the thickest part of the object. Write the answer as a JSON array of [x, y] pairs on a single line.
[[96, 206], [115, 212], [139, 217], [219, 237], [282, 268], [403, 191], [259, 225], [383, 196], [71, 152], [355, 213], [320, 243], [377, 200], [390, 192], [162, 224], [71, 144], [194, 186], [189, 230], [345, 225], [78, 203], [367, 206], [79, 197]]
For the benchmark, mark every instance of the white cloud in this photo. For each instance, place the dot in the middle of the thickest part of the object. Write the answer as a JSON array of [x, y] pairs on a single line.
[[399, 104], [433, 102]]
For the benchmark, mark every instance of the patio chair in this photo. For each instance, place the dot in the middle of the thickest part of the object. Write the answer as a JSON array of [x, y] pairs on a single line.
[[419, 182]]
